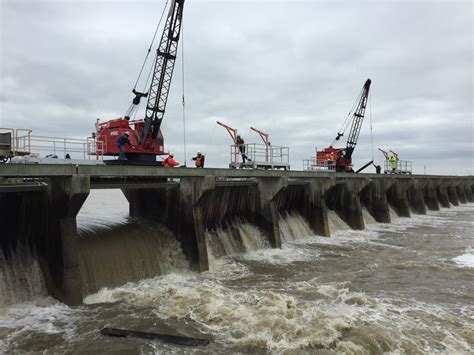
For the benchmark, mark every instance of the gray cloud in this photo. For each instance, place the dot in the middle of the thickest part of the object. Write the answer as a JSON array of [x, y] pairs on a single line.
[[290, 68]]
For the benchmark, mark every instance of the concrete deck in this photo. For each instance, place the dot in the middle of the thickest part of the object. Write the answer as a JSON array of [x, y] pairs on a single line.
[[50, 170]]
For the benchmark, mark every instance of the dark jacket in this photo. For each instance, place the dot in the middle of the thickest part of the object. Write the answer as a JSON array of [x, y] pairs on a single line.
[[123, 140], [240, 143], [199, 161]]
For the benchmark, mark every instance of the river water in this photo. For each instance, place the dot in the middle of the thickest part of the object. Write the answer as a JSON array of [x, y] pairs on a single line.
[[404, 287]]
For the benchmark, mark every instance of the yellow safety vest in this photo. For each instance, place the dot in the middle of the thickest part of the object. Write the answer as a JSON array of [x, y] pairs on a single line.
[[393, 162]]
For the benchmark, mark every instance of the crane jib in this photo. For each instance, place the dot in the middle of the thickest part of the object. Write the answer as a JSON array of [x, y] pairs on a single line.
[[163, 71]]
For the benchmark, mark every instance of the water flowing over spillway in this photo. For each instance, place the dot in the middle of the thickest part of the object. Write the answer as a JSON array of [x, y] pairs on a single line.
[[403, 287], [21, 279], [131, 252], [239, 237]]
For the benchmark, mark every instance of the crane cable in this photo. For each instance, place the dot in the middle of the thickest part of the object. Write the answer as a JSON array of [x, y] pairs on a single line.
[[184, 101], [151, 44], [370, 120], [346, 122], [132, 106]]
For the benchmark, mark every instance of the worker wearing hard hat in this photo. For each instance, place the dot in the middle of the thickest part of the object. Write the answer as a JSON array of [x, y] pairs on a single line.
[[393, 163], [169, 162], [123, 139], [199, 160]]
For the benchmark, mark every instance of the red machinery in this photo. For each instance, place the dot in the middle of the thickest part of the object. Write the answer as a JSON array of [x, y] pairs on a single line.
[[340, 159], [145, 134]]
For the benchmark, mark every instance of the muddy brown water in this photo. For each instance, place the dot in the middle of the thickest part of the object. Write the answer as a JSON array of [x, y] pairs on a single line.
[[404, 287]]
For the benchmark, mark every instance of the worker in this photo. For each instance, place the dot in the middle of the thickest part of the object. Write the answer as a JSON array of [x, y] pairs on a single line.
[[169, 162], [330, 160], [241, 144], [199, 160], [393, 163], [378, 168], [124, 139]]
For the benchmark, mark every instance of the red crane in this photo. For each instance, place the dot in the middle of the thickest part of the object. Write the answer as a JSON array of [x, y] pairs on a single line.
[[340, 159], [145, 134]]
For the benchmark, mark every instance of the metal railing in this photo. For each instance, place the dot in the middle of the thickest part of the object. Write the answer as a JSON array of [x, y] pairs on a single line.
[[20, 141], [403, 167], [260, 155], [318, 164], [61, 148]]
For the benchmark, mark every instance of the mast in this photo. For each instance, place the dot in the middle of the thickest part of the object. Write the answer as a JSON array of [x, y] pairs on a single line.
[[357, 119], [163, 71]]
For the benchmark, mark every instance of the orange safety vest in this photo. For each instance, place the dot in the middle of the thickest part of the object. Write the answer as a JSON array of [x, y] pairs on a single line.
[[169, 162], [198, 161]]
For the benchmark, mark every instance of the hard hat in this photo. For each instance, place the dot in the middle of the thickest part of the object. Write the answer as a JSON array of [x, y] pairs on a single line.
[[127, 133], [198, 152], [171, 154]]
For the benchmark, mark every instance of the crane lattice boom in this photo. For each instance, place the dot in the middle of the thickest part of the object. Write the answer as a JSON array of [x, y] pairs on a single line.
[[163, 71], [357, 119]]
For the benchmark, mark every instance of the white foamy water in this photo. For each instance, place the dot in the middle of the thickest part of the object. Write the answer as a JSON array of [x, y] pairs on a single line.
[[386, 289], [368, 219], [467, 259], [21, 279], [240, 237], [336, 223], [293, 227]]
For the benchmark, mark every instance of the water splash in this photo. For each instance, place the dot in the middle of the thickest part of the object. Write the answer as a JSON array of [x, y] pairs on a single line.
[[368, 219], [293, 227], [135, 251], [336, 223], [21, 278], [239, 237]]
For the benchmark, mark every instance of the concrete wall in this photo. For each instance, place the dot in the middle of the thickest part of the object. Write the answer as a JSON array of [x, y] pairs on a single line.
[[45, 221]]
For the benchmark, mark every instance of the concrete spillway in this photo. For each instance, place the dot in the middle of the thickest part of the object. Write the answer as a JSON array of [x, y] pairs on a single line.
[[39, 205]]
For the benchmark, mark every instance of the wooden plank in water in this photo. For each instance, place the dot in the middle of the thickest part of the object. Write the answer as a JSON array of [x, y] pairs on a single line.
[[168, 338]]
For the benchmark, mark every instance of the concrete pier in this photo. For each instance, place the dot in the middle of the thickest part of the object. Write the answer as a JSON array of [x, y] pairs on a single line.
[[39, 205], [415, 196], [397, 197], [430, 197], [442, 194], [452, 194], [374, 198]]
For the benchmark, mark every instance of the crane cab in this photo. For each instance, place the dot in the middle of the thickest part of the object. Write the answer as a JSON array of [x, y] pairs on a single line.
[[109, 131]]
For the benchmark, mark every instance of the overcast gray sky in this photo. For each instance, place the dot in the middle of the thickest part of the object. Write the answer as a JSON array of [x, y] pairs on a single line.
[[292, 68]]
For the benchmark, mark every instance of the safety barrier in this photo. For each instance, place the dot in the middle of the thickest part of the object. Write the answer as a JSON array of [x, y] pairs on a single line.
[[260, 156], [14, 142], [403, 167], [319, 165]]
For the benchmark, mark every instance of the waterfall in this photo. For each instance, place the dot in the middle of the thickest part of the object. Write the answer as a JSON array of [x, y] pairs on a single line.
[[293, 227], [336, 223], [113, 256], [238, 237], [368, 219], [21, 278], [393, 214]]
